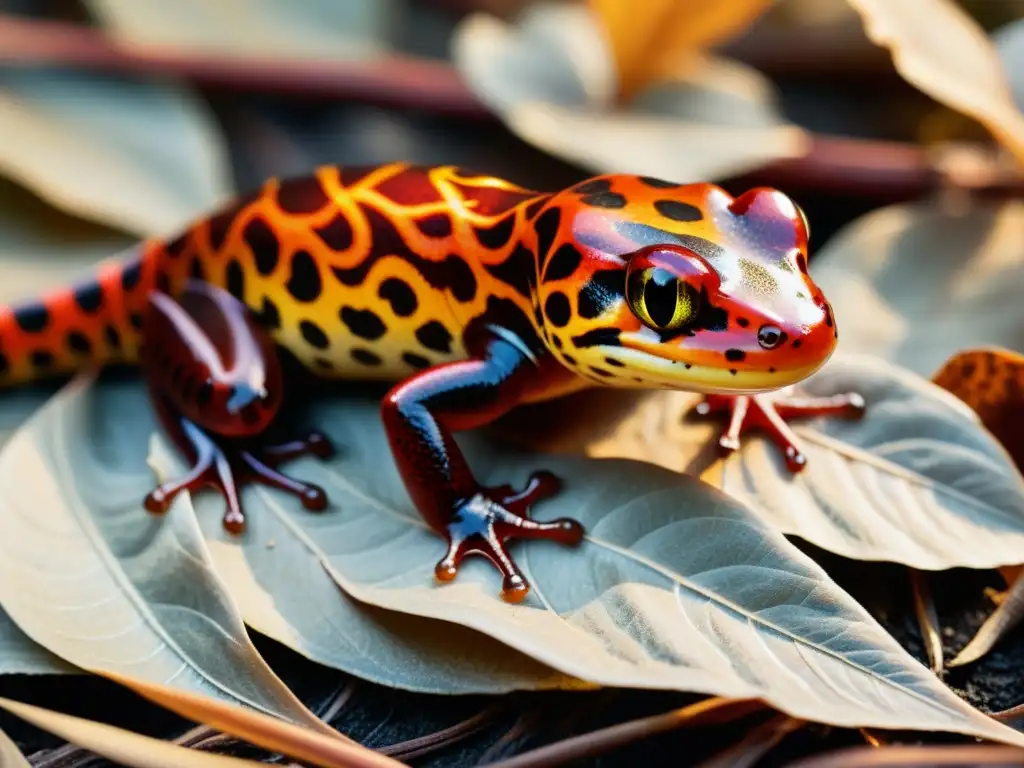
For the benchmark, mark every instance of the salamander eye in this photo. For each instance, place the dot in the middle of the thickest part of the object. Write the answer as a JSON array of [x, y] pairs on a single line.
[[769, 336], [660, 299]]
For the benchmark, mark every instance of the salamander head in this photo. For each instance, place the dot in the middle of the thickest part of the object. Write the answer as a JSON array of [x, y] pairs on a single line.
[[653, 284]]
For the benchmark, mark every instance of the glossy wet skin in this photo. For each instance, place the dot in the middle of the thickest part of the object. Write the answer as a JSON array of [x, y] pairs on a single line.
[[684, 287]]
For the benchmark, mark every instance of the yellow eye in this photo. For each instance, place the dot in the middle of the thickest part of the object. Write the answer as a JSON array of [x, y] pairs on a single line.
[[660, 299]]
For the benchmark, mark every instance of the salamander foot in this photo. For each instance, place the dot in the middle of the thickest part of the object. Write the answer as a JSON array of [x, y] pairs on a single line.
[[482, 524], [770, 412], [228, 468]]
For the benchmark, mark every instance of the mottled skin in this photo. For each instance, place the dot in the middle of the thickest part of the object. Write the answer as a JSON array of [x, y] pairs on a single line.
[[475, 295]]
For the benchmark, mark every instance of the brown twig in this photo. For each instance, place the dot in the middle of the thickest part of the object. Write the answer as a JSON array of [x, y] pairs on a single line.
[[386, 80], [716, 710], [423, 745], [927, 619]]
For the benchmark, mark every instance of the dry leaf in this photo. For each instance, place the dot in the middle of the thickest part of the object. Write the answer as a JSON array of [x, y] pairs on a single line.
[[991, 382], [553, 86], [87, 574], [267, 732], [1005, 617], [656, 40], [915, 284], [743, 614], [320, 29], [137, 156], [124, 747], [938, 48]]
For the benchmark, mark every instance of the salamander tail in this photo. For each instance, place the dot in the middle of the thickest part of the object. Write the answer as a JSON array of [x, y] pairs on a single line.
[[90, 323]]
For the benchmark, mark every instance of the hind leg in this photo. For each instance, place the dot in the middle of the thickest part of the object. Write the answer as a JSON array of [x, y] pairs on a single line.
[[214, 379]]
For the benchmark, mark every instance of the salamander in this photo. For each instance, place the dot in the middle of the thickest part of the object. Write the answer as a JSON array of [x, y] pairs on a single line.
[[469, 295]]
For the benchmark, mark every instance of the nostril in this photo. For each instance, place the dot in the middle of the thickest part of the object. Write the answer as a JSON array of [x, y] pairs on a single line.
[[769, 336]]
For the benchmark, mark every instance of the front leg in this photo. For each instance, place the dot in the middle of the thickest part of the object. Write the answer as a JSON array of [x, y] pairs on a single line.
[[771, 413], [215, 380], [420, 416]]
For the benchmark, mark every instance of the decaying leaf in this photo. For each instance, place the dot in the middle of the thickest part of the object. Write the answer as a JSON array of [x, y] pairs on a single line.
[[991, 382], [938, 48], [656, 40], [125, 747], [1005, 617], [915, 284], [299, 28], [138, 156], [87, 574], [554, 85], [676, 587], [267, 732]]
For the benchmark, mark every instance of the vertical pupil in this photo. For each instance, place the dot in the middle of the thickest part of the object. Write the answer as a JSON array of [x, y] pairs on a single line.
[[660, 296]]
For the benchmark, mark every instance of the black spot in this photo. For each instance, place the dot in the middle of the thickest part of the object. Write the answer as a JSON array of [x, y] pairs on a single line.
[[220, 225], [677, 211], [435, 225], [771, 369], [569, 359], [131, 275], [265, 247], [602, 372], [363, 323], [796, 343], [461, 280], [603, 290], [314, 335], [399, 295], [416, 361], [304, 284], [163, 282], [41, 359], [235, 279], [135, 318], [337, 233], [517, 271], [607, 337], [605, 200], [735, 355], [710, 318], [269, 316], [196, 270], [323, 363], [433, 335], [32, 318], [301, 195], [732, 371], [546, 228], [557, 309], [177, 246], [563, 263], [742, 322], [112, 336], [593, 187], [365, 356], [650, 181], [557, 341], [614, 363], [498, 235], [79, 342], [801, 262], [5, 364], [534, 208], [89, 297]]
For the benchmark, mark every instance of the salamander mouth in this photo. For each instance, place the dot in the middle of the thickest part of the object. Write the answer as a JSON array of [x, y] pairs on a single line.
[[664, 373]]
